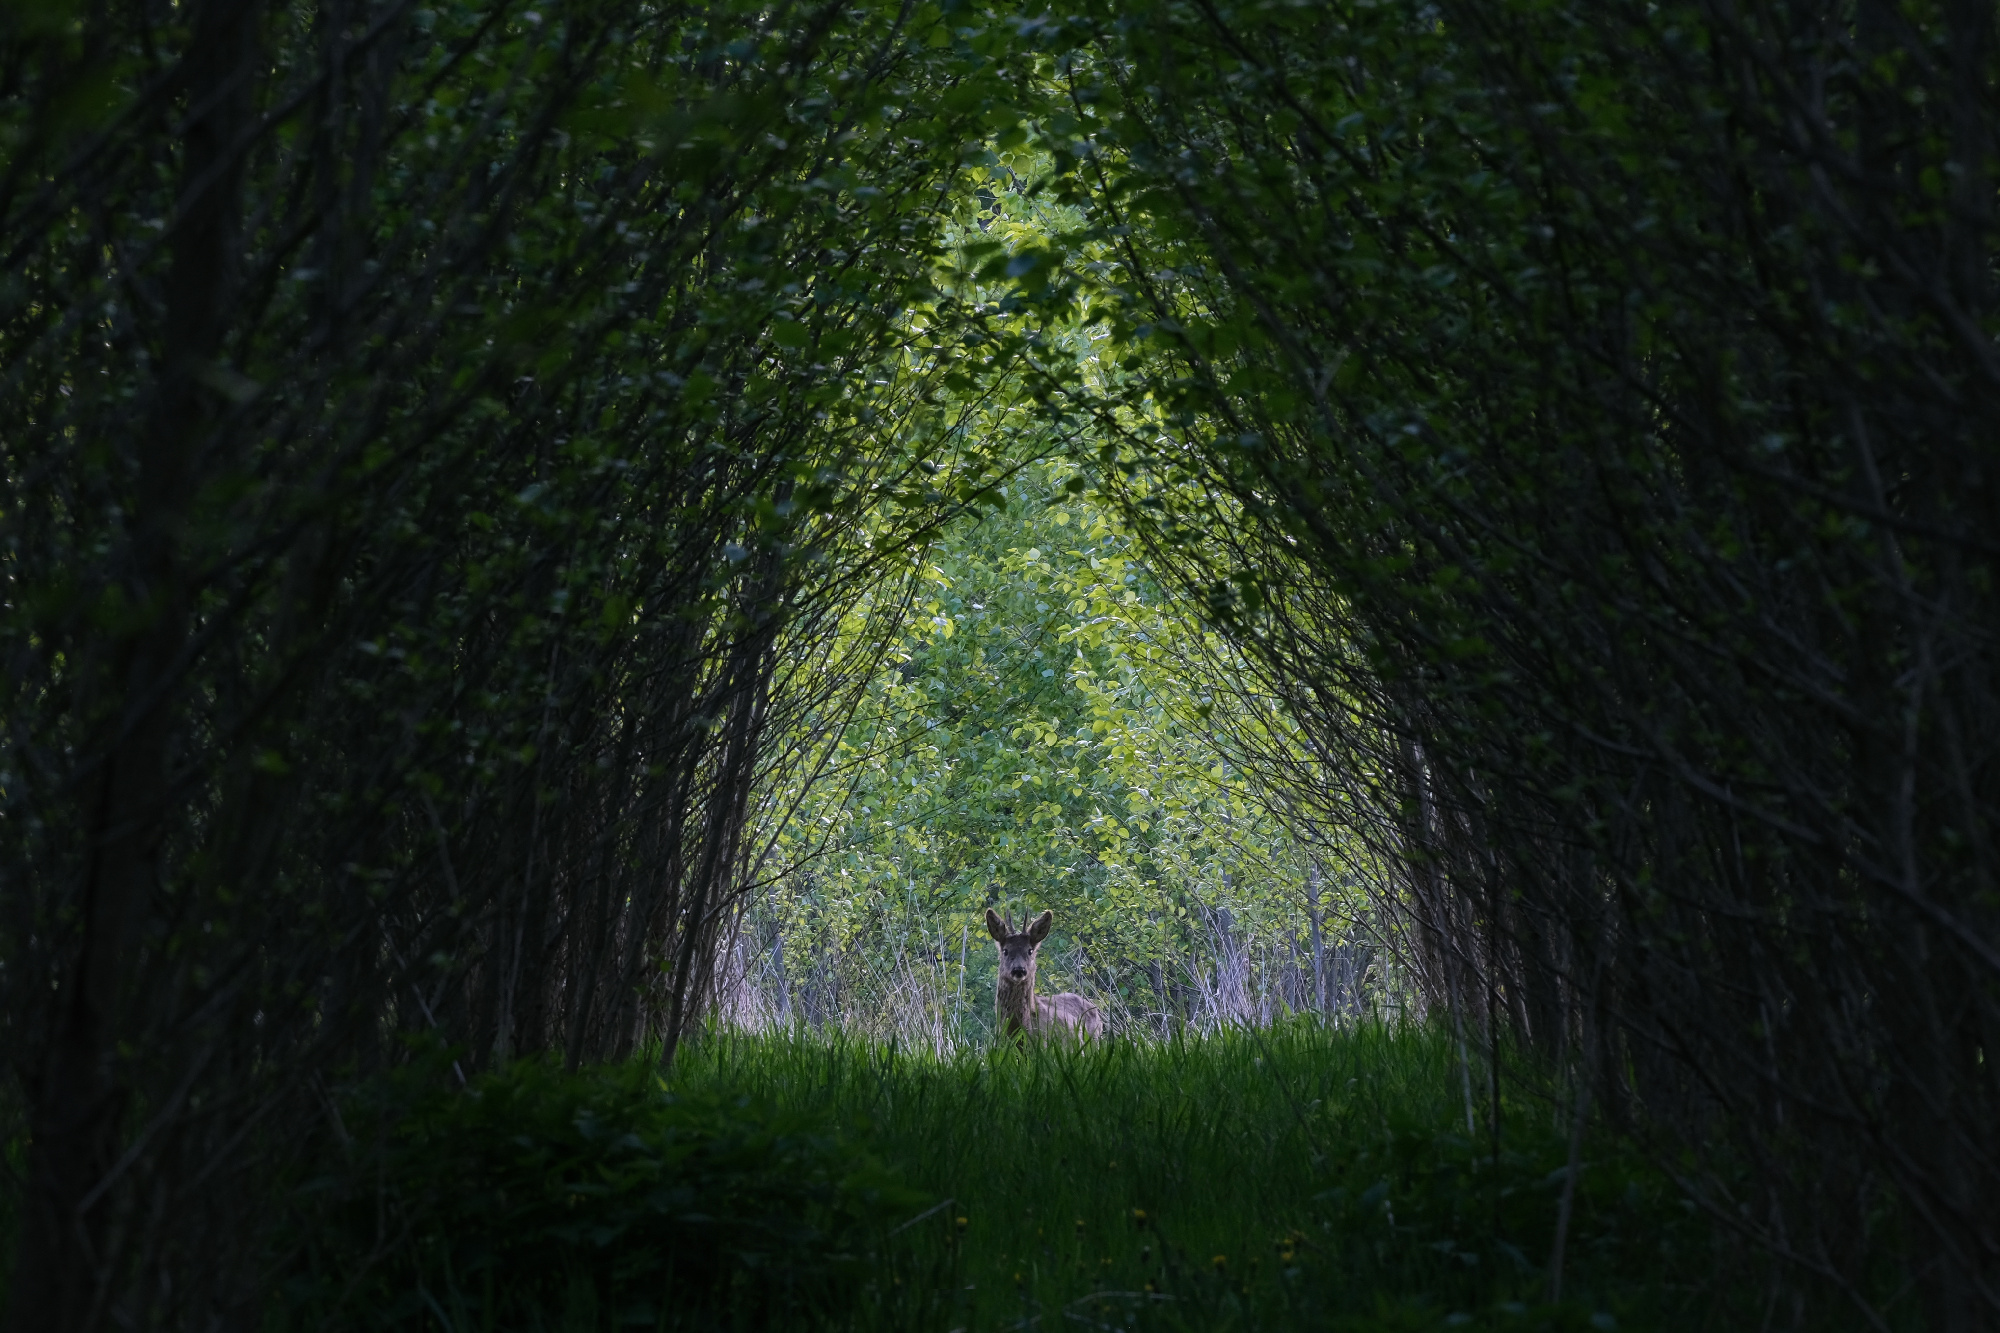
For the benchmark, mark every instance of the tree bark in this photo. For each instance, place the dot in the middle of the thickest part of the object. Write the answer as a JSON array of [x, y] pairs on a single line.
[[67, 1264]]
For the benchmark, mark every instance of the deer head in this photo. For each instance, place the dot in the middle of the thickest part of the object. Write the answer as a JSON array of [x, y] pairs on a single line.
[[1017, 951]]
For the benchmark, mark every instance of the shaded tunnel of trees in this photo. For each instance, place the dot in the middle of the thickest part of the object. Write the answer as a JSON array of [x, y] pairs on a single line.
[[460, 459]]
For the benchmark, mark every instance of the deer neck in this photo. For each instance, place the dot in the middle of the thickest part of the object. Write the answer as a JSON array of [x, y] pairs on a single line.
[[1016, 1002]]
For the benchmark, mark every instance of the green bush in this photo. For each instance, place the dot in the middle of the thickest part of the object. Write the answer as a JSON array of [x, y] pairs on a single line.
[[538, 1198]]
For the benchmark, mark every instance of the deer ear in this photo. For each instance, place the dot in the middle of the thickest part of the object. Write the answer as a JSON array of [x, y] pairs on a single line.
[[996, 926], [1040, 930]]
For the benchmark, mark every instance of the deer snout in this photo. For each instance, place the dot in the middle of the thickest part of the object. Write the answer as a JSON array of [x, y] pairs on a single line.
[[1020, 972]]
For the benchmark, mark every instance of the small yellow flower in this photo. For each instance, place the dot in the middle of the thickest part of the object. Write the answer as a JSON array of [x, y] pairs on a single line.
[[961, 1224], [1139, 1217], [1221, 1261]]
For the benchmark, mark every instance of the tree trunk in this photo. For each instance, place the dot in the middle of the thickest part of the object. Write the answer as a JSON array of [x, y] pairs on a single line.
[[1318, 945], [66, 1266], [69, 1247]]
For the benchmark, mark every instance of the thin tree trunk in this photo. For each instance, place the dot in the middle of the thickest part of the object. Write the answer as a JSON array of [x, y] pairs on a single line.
[[729, 799], [1318, 946], [66, 1264]]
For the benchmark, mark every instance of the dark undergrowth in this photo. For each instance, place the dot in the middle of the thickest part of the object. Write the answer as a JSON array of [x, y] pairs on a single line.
[[1294, 1178]]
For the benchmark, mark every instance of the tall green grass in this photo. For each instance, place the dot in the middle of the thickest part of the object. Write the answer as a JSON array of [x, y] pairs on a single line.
[[1288, 1178], [1292, 1177]]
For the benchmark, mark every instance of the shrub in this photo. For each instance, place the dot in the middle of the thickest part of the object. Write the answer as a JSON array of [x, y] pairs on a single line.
[[534, 1196]]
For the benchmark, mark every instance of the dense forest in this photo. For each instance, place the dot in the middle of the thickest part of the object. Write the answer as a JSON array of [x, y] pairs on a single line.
[[539, 538]]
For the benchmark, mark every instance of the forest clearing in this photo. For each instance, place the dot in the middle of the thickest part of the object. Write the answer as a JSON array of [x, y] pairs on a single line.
[[933, 664]]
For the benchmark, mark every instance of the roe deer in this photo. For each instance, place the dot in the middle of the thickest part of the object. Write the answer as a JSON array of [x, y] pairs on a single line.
[[1020, 1009]]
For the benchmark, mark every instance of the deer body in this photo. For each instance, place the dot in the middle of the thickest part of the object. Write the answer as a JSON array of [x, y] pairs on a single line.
[[1020, 1010]]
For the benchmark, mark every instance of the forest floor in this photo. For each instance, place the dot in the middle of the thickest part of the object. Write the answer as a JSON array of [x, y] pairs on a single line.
[[1290, 1177], [1293, 1177], [1287, 1177]]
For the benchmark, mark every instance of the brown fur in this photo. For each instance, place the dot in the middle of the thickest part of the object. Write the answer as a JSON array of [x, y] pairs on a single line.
[[1020, 1010]]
